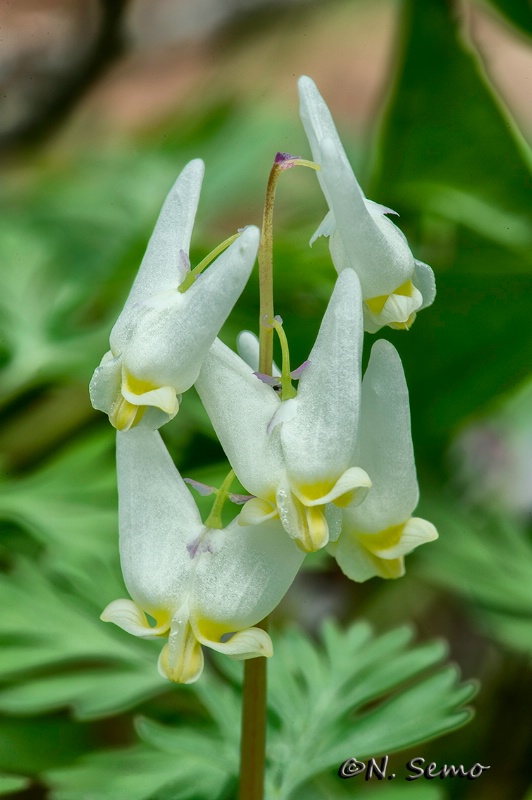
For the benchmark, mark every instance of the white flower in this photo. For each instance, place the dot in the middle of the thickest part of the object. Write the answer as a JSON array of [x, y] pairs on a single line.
[[295, 455], [394, 284], [378, 534], [162, 335], [199, 585]]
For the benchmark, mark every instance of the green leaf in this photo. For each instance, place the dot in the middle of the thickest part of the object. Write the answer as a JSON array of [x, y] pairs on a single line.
[[322, 699], [493, 568], [518, 13], [178, 764], [448, 147], [99, 670], [356, 693], [10, 784], [68, 505]]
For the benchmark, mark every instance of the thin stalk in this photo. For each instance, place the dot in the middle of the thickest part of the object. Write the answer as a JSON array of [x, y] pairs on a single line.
[[253, 741], [193, 274], [283, 161]]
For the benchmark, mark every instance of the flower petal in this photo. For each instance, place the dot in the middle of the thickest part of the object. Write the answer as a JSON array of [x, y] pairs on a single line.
[[247, 345], [240, 408], [256, 511], [359, 564], [157, 517], [385, 444], [105, 385], [318, 124], [249, 643], [242, 583], [415, 531], [326, 227], [375, 248], [187, 668], [424, 281], [162, 267], [351, 488], [318, 443], [174, 332], [128, 616]]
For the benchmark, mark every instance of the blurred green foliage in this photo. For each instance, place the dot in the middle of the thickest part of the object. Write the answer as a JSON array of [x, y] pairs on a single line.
[[72, 234]]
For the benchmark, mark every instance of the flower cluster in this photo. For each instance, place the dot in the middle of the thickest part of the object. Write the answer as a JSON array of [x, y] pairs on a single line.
[[329, 465]]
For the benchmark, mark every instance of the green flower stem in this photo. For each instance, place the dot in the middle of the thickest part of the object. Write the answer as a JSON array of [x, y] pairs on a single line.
[[193, 274], [253, 742], [265, 259]]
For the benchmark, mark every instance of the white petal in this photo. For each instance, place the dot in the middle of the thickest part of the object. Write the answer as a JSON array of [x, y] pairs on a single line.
[[306, 525], [128, 616], [351, 487], [163, 398], [256, 511], [318, 443], [385, 446], [377, 250], [240, 408], [170, 341], [286, 411], [247, 345], [162, 266], [326, 227], [105, 385], [399, 308], [185, 669], [377, 210], [157, 515], [249, 643], [415, 532], [319, 124], [424, 281], [359, 564], [237, 587]]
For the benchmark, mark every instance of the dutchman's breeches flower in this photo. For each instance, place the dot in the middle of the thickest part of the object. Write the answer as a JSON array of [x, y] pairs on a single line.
[[295, 455], [395, 286], [200, 586], [378, 534], [162, 335]]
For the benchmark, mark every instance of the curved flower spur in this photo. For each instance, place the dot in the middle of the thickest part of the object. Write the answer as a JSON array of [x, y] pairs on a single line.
[[295, 455], [378, 534], [171, 316], [395, 285], [200, 586]]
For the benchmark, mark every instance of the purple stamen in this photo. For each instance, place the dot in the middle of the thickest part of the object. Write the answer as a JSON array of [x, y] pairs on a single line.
[[296, 373], [193, 547], [240, 499], [271, 380], [201, 488], [185, 260]]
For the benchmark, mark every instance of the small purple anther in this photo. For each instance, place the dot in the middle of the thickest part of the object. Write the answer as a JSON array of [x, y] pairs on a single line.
[[193, 547], [240, 499], [285, 160], [201, 488], [271, 380], [185, 260], [296, 373]]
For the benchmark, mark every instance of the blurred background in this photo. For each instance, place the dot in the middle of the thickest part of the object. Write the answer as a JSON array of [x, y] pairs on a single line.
[[102, 102]]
